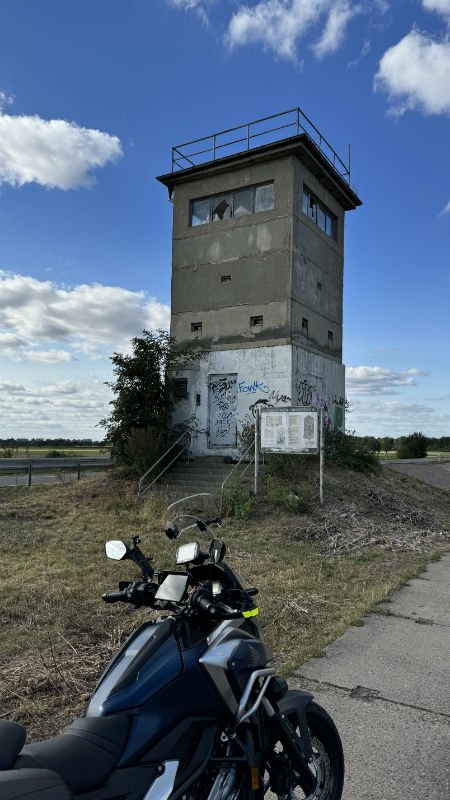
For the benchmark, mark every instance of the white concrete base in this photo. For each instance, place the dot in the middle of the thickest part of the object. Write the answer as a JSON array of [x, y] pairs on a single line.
[[251, 378]]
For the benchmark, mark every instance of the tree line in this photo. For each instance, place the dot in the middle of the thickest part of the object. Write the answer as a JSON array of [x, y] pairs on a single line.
[[416, 445]]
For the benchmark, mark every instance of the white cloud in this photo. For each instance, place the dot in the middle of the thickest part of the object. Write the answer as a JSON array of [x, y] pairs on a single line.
[[446, 209], [51, 356], [91, 320], [11, 388], [415, 74], [276, 24], [335, 28], [199, 6], [53, 153], [441, 6], [279, 25], [377, 380], [62, 409]]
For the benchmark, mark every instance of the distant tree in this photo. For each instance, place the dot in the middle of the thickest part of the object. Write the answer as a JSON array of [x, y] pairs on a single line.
[[142, 401], [412, 446], [386, 444]]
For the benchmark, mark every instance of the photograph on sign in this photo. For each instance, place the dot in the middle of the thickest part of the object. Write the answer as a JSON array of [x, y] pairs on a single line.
[[290, 431]]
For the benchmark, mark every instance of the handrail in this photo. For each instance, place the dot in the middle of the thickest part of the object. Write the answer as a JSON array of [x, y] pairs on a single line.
[[187, 446], [251, 445], [183, 155]]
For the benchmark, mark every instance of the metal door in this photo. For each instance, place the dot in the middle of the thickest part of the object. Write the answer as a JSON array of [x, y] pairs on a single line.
[[222, 408]]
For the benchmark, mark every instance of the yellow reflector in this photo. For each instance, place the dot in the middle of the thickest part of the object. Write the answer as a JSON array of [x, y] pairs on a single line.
[[255, 778], [253, 613]]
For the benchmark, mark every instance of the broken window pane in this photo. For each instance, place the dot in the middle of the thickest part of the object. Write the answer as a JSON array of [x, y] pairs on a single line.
[[264, 197], [200, 212], [222, 207], [305, 206], [331, 226], [243, 202], [321, 217]]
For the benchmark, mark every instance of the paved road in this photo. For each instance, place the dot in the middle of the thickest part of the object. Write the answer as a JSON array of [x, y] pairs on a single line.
[[38, 478], [429, 472], [387, 686]]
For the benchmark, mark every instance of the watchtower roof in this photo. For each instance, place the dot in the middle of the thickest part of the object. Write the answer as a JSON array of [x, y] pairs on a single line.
[[262, 140]]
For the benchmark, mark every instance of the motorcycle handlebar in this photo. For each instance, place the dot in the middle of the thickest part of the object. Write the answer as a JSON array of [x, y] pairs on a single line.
[[114, 597]]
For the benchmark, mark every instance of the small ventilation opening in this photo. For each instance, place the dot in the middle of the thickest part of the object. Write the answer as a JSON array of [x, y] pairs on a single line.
[[257, 322], [225, 278], [180, 389]]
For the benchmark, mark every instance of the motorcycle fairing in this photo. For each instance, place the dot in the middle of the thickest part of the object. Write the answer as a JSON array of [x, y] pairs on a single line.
[[149, 660]]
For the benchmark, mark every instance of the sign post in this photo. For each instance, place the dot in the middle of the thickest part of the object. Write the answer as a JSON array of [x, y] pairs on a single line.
[[290, 431]]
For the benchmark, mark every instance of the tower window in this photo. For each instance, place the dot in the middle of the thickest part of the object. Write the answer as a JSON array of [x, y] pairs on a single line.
[[180, 389], [330, 338], [305, 326], [238, 203], [319, 213], [196, 327], [256, 322]]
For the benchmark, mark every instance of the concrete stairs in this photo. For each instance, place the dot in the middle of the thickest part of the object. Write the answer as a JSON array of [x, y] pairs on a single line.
[[203, 474]]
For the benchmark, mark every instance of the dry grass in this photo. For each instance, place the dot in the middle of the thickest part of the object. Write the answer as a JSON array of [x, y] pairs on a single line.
[[317, 574]]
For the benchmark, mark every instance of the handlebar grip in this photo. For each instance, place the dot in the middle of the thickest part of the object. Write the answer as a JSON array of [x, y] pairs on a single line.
[[206, 606], [114, 597]]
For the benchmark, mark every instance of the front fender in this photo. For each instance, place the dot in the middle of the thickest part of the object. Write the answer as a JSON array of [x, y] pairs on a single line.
[[294, 705]]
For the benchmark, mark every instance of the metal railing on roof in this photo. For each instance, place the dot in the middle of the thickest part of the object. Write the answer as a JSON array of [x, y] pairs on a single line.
[[254, 134]]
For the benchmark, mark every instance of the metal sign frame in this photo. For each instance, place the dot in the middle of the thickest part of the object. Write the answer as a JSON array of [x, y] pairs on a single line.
[[320, 434], [282, 433]]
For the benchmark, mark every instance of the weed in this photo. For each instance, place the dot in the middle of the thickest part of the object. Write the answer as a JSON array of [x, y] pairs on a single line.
[[236, 501], [288, 496]]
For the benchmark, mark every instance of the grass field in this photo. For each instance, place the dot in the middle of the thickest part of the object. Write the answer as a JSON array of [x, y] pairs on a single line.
[[317, 573], [41, 452]]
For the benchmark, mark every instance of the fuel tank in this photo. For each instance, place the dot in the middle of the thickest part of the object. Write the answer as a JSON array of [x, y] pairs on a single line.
[[149, 660]]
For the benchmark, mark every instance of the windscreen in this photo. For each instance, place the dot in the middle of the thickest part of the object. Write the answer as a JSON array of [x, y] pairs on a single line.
[[185, 513]]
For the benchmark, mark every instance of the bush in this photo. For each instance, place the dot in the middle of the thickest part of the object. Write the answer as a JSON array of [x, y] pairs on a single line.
[[142, 448], [56, 454], [282, 494], [345, 450], [412, 446], [236, 501]]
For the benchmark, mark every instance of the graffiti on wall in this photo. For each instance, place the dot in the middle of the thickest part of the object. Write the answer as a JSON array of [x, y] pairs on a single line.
[[223, 401], [251, 388], [307, 394]]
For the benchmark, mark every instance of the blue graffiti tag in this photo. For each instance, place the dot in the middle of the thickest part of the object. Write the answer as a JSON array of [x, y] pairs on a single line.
[[252, 388]]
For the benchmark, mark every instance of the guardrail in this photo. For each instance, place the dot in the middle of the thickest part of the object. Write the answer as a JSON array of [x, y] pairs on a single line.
[[29, 465], [184, 441]]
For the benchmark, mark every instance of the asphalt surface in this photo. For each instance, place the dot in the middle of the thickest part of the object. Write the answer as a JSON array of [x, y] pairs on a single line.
[[427, 471], [387, 686], [38, 478]]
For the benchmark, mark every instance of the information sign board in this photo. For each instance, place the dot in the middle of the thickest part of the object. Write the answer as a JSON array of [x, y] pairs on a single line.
[[289, 430]]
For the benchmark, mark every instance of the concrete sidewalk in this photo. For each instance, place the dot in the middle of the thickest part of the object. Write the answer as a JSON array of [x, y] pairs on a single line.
[[387, 686]]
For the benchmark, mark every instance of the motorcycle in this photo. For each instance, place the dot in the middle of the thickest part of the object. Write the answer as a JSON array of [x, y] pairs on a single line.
[[189, 708]]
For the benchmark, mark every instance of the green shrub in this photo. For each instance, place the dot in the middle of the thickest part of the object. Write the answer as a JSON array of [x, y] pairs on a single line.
[[142, 449], [56, 454], [283, 494], [345, 450], [236, 501], [412, 446]]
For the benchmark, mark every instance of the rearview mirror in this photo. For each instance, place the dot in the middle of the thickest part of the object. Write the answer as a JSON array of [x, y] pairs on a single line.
[[188, 552], [116, 550], [217, 550]]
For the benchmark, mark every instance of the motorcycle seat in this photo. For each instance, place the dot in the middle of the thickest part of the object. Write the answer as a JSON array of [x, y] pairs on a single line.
[[12, 739], [32, 784], [84, 755]]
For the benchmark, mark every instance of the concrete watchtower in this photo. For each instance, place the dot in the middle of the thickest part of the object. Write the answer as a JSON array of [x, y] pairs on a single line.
[[257, 274]]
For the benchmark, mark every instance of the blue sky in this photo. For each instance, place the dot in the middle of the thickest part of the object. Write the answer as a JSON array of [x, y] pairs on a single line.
[[93, 95]]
